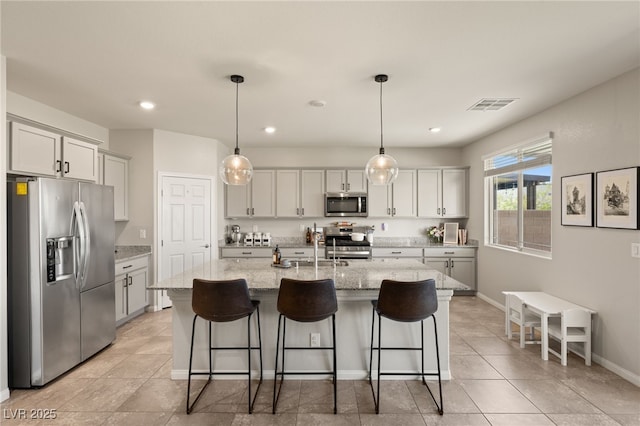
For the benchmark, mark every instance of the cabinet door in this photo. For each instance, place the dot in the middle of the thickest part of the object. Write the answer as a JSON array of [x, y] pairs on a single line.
[[336, 181], [454, 193], [79, 159], [263, 194], [34, 151], [463, 269], [404, 194], [429, 187], [121, 296], [288, 193], [356, 181], [237, 200], [116, 174], [100, 168], [440, 264], [312, 193], [379, 200], [137, 290]]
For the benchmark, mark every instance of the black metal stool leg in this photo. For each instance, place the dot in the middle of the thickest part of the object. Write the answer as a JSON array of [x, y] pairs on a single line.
[[335, 367], [276, 393], [193, 330]]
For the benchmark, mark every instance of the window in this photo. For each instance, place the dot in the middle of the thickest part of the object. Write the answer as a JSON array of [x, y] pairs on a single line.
[[518, 198]]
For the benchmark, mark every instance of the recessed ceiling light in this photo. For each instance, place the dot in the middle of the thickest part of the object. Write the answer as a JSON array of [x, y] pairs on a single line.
[[317, 103], [270, 129], [147, 105], [434, 129]]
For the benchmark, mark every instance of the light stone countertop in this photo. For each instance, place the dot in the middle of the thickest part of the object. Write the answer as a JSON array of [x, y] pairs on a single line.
[[358, 275], [131, 252]]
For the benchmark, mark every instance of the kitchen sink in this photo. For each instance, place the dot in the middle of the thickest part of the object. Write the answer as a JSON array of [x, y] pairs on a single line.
[[321, 262]]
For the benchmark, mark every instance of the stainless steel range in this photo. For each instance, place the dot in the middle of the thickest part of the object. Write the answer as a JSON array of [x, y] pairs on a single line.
[[345, 248]]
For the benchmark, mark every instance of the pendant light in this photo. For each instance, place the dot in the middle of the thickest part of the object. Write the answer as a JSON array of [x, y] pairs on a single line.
[[381, 169], [236, 169]]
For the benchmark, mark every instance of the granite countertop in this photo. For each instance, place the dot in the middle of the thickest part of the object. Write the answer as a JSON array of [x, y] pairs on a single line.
[[358, 275], [382, 242], [131, 252]]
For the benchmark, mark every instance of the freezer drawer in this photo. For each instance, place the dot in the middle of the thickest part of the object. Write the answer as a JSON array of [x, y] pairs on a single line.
[[98, 322]]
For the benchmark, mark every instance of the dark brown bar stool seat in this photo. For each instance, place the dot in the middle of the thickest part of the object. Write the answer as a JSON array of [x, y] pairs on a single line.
[[224, 301], [305, 301], [402, 301]]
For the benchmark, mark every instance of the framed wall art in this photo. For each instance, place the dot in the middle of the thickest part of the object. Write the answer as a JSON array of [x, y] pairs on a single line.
[[450, 233], [617, 198], [577, 200]]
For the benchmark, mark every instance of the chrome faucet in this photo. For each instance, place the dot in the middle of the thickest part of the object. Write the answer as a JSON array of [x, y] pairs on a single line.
[[316, 237]]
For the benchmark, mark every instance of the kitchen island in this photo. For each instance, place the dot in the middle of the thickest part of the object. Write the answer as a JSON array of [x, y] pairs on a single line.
[[356, 284]]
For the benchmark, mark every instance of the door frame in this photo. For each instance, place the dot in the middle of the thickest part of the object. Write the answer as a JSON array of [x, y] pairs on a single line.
[[156, 296]]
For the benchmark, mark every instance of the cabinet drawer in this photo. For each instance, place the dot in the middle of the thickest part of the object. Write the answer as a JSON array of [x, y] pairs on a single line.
[[450, 252], [245, 252], [126, 266], [397, 252], [298, 252]]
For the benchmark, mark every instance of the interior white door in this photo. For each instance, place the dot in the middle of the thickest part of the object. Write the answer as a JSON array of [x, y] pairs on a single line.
[[186, 226]]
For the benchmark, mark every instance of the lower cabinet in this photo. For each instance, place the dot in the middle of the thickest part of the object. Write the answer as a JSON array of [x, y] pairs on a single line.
[[458, 263], [131, 288]]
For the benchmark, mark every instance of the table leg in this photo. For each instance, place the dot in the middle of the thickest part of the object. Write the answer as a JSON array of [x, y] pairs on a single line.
[[545, 336]]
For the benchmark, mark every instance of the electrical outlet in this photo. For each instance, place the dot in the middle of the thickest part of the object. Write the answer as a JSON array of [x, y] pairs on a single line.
[[635, 249], [143, 233], [302, 228], [315, 340], [255, 228]]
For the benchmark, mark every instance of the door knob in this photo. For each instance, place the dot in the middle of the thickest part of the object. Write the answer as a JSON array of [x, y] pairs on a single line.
[[205, 246]]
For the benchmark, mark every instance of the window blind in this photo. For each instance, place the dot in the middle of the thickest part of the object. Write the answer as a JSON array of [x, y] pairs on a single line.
[[520, 158]]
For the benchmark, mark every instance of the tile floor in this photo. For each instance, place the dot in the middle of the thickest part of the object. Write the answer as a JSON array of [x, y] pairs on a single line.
[[495, 383]]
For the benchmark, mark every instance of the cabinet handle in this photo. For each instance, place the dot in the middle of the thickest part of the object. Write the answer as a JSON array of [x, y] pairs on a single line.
[[348, 187], [58, 166], [66, 167], [303, 211], [394, 211], [449, 252], [396, 252], [125, 282], [298, 252], [438, 210], [446, 263], [246, 252], [388, 210], [253, 211], [444, 211], [127, 267], [297, 211], [124, 298], [248, 212], [342, 186], [130, 281]]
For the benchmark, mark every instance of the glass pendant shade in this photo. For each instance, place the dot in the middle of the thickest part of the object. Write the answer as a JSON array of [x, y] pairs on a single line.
[[236, 169], [381, 169]]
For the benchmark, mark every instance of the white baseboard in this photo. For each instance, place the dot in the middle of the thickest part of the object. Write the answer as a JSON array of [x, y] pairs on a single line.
[[342, 375], [625, 374], [4, 394]]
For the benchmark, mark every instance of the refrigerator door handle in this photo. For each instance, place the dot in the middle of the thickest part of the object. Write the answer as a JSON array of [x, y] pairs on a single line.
[[78, 236], [85, 245]]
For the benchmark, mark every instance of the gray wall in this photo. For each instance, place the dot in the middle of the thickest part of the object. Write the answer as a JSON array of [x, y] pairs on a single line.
[[594, 131]]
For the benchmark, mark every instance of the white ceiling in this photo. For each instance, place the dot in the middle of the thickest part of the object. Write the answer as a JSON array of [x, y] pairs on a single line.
[[96, 60]]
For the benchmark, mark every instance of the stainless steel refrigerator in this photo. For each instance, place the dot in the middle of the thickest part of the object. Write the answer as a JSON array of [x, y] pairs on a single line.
[[61, 293]]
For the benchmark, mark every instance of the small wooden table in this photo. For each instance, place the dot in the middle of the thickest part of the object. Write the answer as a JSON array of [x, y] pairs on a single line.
[[546, 306]]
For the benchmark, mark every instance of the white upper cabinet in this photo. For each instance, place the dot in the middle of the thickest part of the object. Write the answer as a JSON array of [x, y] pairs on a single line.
[[346, 181], [442, 193], [34, 151], [256, 199], [312, 193], [288, 193], [79, 159], [113, 170], [395, 200]]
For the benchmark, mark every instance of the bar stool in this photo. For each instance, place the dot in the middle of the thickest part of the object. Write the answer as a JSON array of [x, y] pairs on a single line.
[[305, 301], [224, 301], [401, 301]]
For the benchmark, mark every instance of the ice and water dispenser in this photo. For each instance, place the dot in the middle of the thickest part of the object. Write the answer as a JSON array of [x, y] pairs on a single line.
[[60, 258]]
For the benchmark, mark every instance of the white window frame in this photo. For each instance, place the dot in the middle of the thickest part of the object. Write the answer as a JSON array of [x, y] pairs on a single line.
[[491, 169]]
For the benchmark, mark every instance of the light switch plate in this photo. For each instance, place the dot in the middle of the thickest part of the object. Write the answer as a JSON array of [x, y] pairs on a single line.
[[635, 250]]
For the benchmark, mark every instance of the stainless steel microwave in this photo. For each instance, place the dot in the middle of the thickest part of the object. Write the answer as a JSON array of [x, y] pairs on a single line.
[[345, 204]]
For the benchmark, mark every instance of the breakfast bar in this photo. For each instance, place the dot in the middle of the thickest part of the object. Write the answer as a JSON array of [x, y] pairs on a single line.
[[357, 283]]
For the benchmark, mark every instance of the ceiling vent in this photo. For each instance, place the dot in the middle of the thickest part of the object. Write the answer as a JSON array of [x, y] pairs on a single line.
[[491, 104]]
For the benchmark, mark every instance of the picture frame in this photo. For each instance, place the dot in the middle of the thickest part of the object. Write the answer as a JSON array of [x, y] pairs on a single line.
[[617, 195], [577, 200], [450, 233]]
